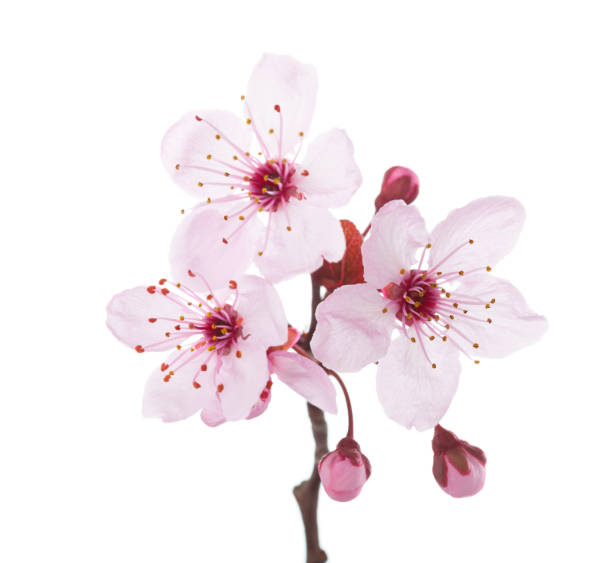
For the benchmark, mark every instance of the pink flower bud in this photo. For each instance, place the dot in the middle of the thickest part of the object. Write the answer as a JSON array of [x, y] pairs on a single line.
[[458, 467], [398, 183], [344, 471]]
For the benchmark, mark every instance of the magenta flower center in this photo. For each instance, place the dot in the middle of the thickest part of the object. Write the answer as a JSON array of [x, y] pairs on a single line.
[[221, 329], [272, 185], [417, 297]]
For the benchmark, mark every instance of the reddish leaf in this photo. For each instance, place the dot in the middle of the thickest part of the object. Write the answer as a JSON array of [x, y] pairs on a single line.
[[347, 271]]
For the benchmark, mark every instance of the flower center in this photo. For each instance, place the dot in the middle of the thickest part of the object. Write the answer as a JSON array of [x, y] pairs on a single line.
[[416, 295], [272, 185], [220, 329]]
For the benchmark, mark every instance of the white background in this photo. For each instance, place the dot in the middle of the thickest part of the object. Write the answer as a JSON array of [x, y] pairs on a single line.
[[479, 98]]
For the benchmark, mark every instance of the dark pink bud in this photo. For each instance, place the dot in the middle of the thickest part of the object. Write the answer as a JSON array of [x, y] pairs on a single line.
[[398, 183], [344, 471], [458, 467]]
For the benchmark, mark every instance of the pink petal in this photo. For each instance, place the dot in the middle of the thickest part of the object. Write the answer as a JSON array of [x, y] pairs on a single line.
[[262, 402], [459, 485], [329, 174], [198, 246], [133, 316], [411, 392], [281, 82], [315, 234], [188, 143], [261, 308], [212, 411], [306, 378], [243, 376], [352, 330], [493, 223], [513, 324], [398, 232], [170, 393]]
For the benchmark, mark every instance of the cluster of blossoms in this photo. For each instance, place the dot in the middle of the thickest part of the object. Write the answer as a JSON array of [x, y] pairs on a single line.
[[410, 300]]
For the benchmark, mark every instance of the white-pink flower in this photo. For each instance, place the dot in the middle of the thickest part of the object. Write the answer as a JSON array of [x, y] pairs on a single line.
[[221, 340], [436, 291], [209, 154]]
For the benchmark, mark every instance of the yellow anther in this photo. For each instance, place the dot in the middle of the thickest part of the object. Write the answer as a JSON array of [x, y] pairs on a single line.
[[403, 271], [288, 228], [217, 137], [385, 310], [433, 366], [212, 347], [413, 339], [432, 338], [475, 345], [209, 156], [182, 318], [489, 268], [476, 361], [461, 272], [471, 241], [241, 217], [200, 184], [271, 131], [249, 122], [301, 133]]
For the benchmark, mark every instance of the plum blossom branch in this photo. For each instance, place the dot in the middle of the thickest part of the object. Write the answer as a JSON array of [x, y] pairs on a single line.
[[307, 492]]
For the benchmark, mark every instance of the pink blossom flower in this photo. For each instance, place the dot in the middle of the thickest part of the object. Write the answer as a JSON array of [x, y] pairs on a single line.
[[221, 359], [344, 471], [436, 291], [458, 467], [208, 154]]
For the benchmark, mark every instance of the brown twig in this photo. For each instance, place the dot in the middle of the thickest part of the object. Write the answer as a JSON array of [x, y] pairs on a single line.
[[307, 492]]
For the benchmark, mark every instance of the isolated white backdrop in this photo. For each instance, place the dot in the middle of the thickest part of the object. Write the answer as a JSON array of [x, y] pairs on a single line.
[[479, 98]]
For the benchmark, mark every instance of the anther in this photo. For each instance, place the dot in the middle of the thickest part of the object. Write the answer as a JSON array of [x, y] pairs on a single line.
[[200, 185], [151, 289], [139, 349], [219, 387], [385, 310], [177, 166], [203, 367], [196, 385], [277, 108], [475, 345], [433, 366], [471, 241], [239, 354]]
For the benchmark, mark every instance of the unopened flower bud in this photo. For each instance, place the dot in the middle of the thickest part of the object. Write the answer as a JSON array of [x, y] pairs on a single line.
[[344, 471], [398, 183], [458, 467]]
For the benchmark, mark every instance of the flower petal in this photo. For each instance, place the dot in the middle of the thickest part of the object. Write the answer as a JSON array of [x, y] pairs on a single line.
[[187, 145], [262, 310], [329, 175], [411, 392], [352, 330], [281, 82], [513, 324], [133, 316], [306, 378], [170, 393], [398, 232], [315, 234], [198, 246], [243, 375], [493, 223]]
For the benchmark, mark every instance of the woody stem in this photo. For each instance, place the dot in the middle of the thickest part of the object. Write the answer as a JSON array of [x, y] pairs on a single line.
[[307, 492]]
